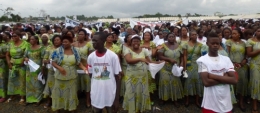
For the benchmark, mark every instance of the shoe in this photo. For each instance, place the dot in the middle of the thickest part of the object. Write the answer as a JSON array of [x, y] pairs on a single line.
[[22, 102], [176, 105], [47, 105], [8, 100], [242, 109], [187, 105], [2, 100], [198, 106]]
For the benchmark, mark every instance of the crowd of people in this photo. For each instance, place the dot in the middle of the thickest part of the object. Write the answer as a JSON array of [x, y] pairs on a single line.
[[110, 65]]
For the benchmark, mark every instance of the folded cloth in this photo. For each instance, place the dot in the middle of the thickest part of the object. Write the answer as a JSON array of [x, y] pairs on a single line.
[[176, 70], [154, 68], [40, 78]]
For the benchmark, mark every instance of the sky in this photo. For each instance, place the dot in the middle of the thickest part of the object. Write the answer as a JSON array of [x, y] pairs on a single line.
[[129, 8]]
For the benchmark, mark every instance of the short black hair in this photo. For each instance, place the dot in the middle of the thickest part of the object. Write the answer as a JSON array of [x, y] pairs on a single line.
[[84, 31], [212, 35], [8, 34], [36, 38], [102, 35], [224, 30], [126, 36], [55, 36], [240, 33], [65, 37]]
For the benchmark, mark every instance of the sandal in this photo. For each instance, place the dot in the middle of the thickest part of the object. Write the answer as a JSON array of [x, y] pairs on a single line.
[[8, 100], [22, 102], [47, 105], [36, 104]]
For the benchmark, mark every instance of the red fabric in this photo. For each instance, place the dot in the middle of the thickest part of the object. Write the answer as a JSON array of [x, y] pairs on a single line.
[[209, 111], [100, 54]]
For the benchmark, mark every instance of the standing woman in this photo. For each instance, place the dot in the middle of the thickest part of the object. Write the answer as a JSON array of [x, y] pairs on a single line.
[[112, 46], [125, 48], [84, 47], [56, 41], [15, 60], [45, 40], [226, 33], [253, 51], [3, 71], [170, 86], [137, 98], [237, 54], [150, 47], [184, 38], [34, 87], [193, 85], [66, 59]]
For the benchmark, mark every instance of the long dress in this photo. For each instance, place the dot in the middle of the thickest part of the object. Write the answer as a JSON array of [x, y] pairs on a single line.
[[151, 81], [84, 80], [124, 66], [3, 72], [16, 80], [50, 78], [254, 82], [170, 86], [193, 84], [64, 93], [237, 55], [137, 97], [34, 87]]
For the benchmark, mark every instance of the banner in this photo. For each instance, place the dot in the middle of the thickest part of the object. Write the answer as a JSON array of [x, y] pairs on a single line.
[[151, 24], [70, 22]]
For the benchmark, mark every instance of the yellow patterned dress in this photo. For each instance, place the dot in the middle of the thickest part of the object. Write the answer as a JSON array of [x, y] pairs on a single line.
[[151, 81], [124, 66], [237, 54], [34, 87], [193, 84], [50, 78], [3, 71], [137, 97], [170, 86], [84, 79], [254, 82], [16, 80]]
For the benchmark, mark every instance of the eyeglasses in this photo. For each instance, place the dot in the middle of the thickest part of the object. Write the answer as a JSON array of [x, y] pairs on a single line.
[[160, 34]]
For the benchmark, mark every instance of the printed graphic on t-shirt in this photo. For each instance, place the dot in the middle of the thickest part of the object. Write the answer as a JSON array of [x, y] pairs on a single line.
[[101, 72]]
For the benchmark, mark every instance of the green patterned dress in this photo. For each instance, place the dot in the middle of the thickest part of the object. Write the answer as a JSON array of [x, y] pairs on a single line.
[[170, 86], [254, 82], [34, 87], [237, 54], [193, 84], [137, 97], [64, 93], [50, 78], [151, 81], [3, 72], [84, 79], [124, 66], [115, 48], [16, 80]]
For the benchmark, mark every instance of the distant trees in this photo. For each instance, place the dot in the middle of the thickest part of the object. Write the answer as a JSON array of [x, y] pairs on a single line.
[[8, 12]]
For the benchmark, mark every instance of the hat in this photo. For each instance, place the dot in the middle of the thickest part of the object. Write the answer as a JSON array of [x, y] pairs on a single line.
[[135, 36], [147, 30]]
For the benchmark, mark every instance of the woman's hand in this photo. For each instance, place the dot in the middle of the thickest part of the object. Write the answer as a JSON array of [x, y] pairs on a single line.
[[62, 71], [26, 60], [10, 66], [173, 61], [243, 62], [144, 60], [159, 47]]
